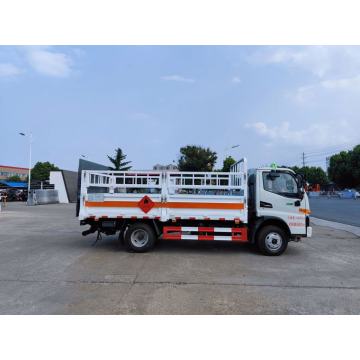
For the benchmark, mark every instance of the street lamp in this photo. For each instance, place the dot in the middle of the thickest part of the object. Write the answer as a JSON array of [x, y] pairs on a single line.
[[230, 148], [29, 177]]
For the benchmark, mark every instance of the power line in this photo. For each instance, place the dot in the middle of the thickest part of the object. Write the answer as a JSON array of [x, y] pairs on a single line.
[[337, 147], [316, 161], [318, 156]]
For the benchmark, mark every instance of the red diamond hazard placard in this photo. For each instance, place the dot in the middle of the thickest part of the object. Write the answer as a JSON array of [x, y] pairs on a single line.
[[146, 204]]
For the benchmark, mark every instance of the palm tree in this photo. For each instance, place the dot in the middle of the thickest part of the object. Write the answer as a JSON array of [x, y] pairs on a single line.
[[118, 162]]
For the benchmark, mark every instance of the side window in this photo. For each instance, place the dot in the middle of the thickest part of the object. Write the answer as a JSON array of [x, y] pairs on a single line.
[[285, 184]]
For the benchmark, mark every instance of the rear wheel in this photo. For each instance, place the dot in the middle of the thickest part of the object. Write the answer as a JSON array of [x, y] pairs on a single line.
[[139, 237], [272, 240]]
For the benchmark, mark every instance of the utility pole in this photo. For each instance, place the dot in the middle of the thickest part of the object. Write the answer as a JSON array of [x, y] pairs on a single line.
[[303, 159]]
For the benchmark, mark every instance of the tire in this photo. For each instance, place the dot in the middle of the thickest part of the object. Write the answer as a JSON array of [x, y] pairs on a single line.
[[272, 240], [139, 237]]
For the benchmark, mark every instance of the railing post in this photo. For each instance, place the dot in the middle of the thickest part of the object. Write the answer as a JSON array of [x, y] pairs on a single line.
[[111, 183]]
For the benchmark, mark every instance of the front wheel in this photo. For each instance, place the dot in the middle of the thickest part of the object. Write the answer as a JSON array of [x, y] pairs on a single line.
[[272, 240], [139, 237]]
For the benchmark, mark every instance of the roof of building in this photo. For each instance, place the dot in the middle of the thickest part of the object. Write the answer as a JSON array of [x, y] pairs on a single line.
[[14, 167], [14, 184]]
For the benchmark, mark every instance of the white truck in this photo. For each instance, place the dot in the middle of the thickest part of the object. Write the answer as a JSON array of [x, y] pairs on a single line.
[[267, 206]]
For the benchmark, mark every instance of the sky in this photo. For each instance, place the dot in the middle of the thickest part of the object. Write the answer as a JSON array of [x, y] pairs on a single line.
[[275, 102]]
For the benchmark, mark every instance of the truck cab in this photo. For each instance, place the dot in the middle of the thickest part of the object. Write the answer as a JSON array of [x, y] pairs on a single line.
[[278, 208]]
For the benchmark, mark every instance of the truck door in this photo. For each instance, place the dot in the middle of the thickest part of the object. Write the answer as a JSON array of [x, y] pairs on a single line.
[[278, 196]]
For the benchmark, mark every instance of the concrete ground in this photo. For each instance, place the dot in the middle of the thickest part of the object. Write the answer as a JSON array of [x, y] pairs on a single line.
[[47, 267], [346, 211]]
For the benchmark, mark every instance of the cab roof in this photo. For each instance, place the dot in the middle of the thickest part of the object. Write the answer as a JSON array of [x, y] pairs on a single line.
[[268, 168]]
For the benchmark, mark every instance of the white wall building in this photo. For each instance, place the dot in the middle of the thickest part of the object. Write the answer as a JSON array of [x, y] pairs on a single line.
[[65, 182], [57, 180]]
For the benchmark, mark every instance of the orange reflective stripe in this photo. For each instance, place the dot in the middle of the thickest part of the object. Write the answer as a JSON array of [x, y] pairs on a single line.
[[172, 205], [305, 211], [111, 203]]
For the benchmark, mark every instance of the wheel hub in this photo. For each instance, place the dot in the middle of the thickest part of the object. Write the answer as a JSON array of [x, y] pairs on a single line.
[[273, 241], [139, 238]]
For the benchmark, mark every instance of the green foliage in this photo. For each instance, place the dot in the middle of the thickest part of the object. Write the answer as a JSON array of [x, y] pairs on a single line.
[[227, 163], [41, 170], [15, 178], [313, 175], [355, 164], [344, 168], [196, 158], [118, 161]]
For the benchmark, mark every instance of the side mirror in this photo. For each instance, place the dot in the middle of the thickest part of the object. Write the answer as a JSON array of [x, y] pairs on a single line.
[[301, 193], [301, 182]]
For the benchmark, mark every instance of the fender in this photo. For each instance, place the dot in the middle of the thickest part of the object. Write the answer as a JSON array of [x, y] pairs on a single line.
[[266, 220]]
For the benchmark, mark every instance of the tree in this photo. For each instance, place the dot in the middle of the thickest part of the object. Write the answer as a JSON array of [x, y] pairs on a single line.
[[355, 165], [196, 158], [118, 162], [313, 175], [15, 178], [41, 170], [227, 163], [344, 168]]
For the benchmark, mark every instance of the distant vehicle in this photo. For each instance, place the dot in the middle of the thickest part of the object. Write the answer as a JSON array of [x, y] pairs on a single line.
[[349, 194], [266, 206], [14, 194]]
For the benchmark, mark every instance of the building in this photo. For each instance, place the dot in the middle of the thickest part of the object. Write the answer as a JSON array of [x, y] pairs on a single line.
[[170, 167], [8, 171], [65, 182]]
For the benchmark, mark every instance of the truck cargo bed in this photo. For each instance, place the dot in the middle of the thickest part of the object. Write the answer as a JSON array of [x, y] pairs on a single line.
[[164, 195]]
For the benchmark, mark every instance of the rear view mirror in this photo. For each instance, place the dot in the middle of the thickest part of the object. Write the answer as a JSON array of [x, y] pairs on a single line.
[[273, 175]]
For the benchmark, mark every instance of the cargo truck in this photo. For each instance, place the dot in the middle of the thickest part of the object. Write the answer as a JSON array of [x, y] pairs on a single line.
[[267, 206]]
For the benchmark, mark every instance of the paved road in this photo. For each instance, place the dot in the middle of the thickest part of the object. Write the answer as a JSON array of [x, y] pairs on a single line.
[[47, 267], [346, 211]]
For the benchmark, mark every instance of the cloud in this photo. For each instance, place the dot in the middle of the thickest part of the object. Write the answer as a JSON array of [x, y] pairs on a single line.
[[50, 63], [236, 80], [310, 92], [315, 60], [321, 61], [335, 68], [316, 135], [7, 69], [177, 78], [343, 83]]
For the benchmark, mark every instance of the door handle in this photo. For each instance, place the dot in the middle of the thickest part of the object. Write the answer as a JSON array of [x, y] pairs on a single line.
[[265, 204], [297, 203]]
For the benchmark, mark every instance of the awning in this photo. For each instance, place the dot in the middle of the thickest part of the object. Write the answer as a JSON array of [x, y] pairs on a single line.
[[14, 184]]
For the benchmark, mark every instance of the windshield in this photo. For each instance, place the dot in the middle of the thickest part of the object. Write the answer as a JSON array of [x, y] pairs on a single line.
[[284, 184]]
